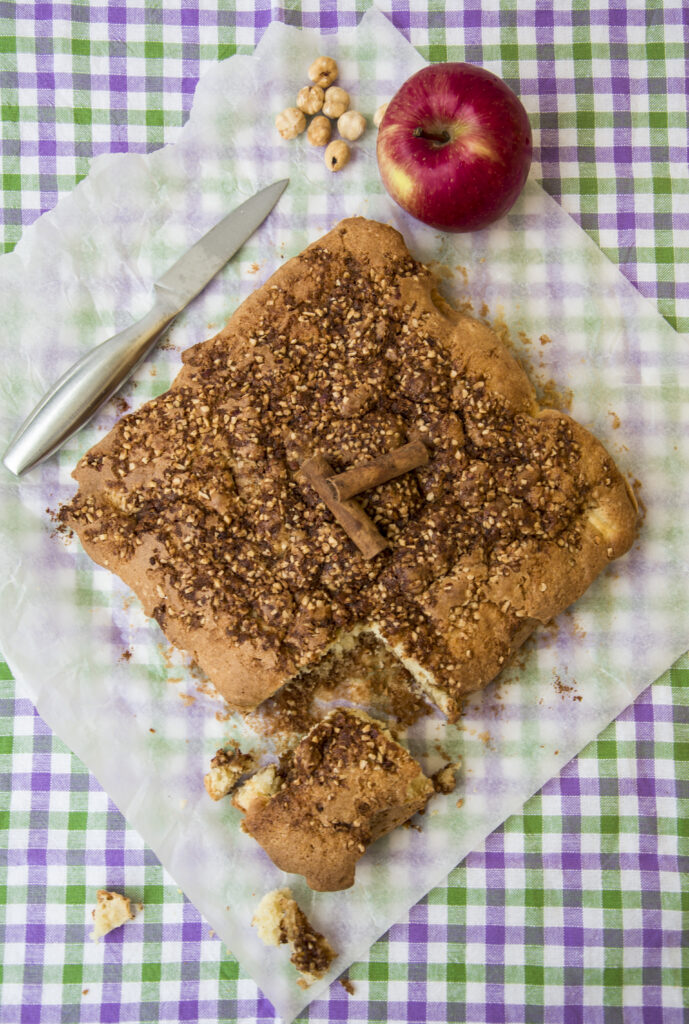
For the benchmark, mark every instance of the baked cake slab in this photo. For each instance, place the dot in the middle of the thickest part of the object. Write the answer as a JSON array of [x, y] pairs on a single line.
[[199, 501]]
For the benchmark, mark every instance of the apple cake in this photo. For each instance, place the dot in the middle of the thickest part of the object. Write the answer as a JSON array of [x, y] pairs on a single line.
[[199, 500]]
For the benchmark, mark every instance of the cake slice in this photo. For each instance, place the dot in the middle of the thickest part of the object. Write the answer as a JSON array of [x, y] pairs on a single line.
[[199, 500], [346, 784]]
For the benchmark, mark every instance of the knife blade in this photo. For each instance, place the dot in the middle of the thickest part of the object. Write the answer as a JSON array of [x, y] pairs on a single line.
[[95, 378]]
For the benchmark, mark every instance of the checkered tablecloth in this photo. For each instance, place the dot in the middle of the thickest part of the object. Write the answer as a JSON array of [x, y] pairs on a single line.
[[576, 909]]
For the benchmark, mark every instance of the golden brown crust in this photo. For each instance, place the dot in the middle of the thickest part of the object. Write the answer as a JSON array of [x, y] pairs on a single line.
[[198, 503], [347, 784]]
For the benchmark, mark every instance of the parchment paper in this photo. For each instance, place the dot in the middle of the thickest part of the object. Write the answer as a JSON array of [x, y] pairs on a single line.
[[67, 627]]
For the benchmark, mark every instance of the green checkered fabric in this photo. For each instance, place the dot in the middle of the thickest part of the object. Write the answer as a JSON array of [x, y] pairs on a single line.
[[605, 89]]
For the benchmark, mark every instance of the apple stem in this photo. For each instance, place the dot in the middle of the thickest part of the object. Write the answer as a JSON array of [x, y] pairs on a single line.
[[441, 137]]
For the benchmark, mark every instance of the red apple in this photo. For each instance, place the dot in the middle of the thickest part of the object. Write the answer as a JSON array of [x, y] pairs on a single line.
[[454, 147]]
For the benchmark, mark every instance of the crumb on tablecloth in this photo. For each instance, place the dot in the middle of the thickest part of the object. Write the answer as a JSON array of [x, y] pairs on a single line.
[[346, 985], [111, 911]]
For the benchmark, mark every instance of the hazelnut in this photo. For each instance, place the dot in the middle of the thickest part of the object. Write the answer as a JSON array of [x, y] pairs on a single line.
[[380, 114], [336, 101], [323, 72], [336, 155], [319, 131], [351, 125], [290, 123], [310, 99]]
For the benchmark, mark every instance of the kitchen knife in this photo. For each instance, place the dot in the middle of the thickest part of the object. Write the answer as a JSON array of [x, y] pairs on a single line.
[[95, 378]]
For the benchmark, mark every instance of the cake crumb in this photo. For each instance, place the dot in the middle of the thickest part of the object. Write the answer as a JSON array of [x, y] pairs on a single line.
[[278, 919], [227, 768], [111, 910], [347, 985], [121, 405], [346, 784], [445, 779], [560, 687]]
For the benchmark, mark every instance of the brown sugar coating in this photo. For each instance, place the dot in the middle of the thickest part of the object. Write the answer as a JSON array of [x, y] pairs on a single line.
[[346, 784], [197, 501]]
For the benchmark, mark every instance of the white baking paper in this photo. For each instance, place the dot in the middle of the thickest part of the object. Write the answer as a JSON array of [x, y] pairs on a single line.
[[67, 627]]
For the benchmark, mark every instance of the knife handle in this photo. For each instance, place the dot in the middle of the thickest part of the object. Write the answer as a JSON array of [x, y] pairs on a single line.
[[84, 388]]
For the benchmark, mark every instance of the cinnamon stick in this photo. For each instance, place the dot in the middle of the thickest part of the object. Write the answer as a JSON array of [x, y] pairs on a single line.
[[351, 517], [378, 471]]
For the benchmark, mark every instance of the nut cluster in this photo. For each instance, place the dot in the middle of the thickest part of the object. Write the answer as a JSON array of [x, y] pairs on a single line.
[[324, 103]]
